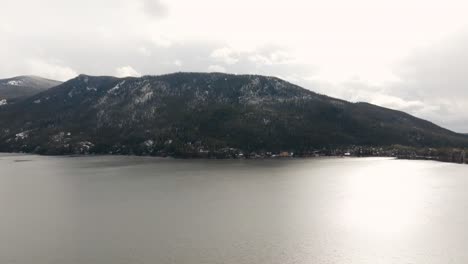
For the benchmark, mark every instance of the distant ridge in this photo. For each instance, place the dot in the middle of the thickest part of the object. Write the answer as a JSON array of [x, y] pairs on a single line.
[[13, 89], [185, 114]]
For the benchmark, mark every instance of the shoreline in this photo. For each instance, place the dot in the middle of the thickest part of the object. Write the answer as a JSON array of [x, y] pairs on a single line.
[[420, 158]]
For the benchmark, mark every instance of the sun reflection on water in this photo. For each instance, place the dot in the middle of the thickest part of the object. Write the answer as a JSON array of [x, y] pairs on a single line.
[[384, 198]]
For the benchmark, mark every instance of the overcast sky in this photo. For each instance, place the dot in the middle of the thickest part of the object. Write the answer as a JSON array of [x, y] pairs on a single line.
[[410, 55]]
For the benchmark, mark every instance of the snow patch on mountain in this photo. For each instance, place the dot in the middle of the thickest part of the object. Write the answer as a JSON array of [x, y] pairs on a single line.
[[146, 94], [21, 135], [115, 88], [15, 82]]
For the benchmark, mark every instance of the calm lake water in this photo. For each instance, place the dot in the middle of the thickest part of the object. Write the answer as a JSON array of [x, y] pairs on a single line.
[[125, 210]]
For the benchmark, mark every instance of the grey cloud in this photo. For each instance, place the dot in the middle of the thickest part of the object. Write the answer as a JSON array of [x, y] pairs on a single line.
[[433, 85], [155, 8], [433, 82], [100, 55], [87, 40], [436, 71], [438, 77]]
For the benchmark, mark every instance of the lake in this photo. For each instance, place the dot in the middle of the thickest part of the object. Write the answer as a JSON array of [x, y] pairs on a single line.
[[125, 210]]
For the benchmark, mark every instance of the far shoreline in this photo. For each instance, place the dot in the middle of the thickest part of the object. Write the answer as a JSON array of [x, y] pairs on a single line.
[[22, 154]]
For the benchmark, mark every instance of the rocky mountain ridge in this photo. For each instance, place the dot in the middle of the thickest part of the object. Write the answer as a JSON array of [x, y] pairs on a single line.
[[192, 114]]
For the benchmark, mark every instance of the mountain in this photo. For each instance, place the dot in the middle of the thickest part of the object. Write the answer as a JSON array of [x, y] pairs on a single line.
[[185, 114], [16, 88]]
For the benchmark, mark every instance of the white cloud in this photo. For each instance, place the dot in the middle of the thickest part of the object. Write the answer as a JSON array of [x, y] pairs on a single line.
[[216, 68], [275, 57], [50, 70], [178, 63], [394, 102], [161, 41], [226, 55], [126, 71], [144, 51]]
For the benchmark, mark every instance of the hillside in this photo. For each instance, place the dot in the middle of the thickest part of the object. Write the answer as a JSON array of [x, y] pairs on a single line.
[[20, 87], [185, 114]]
